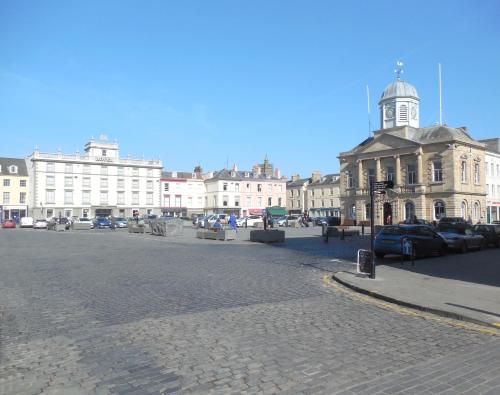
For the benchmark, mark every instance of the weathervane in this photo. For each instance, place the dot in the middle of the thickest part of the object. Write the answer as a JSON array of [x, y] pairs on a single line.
[[399, 69]]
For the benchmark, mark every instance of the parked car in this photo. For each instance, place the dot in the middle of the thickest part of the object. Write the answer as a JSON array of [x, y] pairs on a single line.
[[222, 217], [9, 224], [452, 221], [40, 224], [120, 222], [240, 222], [281, 221], [26, 222], [54, 221], [320, 221], [251, 220], [461, 238], [490, 234], [426, 241], [101, 223], [84, 220], [293, 218]]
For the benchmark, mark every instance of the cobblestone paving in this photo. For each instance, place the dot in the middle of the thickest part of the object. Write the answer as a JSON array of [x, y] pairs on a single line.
[[112, 313]]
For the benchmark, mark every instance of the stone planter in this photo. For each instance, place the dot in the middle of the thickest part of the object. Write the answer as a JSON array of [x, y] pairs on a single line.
[[267, 236], [81, 226], [135, 229], [60, 227], [222, 234]]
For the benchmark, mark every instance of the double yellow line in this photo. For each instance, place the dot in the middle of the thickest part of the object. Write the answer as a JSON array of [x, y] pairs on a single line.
[[330, 283]]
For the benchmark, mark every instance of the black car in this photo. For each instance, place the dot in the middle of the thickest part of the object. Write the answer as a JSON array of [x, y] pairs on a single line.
[[426, 242], [320, 221], [491, 234], [452, 221]]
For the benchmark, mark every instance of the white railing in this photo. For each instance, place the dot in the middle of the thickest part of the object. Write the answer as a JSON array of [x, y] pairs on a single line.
[[97, 159]]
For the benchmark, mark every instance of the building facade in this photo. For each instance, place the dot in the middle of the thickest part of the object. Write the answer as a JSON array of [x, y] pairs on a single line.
[[323, 195], [492, 171], [296, 192], [182, 193], [244, 192], [95, 183], [437, 171], [14, 189]]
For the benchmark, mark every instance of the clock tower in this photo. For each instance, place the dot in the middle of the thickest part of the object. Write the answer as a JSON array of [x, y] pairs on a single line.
[[399, 104]]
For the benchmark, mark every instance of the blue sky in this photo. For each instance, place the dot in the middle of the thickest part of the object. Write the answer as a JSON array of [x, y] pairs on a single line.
[[214, 81]]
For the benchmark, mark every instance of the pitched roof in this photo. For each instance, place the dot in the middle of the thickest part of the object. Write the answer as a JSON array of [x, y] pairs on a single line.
[[232, 175], [5, 163], [181, 174], [327, 179]]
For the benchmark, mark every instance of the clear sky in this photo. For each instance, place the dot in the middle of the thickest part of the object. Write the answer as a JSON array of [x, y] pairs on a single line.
[[205, 82]]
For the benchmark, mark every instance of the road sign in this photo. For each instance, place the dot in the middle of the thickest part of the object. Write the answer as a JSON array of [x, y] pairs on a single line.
[[378, 185]]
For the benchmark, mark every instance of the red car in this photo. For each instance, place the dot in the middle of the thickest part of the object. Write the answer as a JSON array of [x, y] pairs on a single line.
[[9, 223]]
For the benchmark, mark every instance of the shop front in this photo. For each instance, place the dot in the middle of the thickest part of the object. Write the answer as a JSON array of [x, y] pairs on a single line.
[[13, 212]]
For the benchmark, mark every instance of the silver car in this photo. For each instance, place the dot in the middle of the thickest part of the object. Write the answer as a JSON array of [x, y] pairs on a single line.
[[461, 238]]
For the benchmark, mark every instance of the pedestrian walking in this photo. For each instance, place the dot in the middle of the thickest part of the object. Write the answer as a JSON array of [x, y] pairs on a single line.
[[232, 221]]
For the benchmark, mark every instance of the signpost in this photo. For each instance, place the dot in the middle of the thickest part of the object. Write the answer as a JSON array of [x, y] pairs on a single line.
[[375, 187]]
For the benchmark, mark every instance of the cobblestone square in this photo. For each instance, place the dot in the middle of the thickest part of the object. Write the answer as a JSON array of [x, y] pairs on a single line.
[[103, 312]]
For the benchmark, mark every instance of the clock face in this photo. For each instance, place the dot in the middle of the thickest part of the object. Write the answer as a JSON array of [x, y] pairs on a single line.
[[389, 112], [414, 112]]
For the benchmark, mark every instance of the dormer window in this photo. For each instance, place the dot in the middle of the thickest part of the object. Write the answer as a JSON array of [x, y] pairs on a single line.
[[247, 174], [13, 169], [233, 174]]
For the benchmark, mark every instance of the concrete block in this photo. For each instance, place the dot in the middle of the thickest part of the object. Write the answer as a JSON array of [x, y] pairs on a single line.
[[135, 229], [80, 226], [267, 236], [60, 227]]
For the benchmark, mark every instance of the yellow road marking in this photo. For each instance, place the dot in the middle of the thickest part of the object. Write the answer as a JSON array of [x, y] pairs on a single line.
[[329, 282]]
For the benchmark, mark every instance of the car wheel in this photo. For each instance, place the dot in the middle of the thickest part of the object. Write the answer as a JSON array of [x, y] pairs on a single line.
[[463, 247], [379, 255]]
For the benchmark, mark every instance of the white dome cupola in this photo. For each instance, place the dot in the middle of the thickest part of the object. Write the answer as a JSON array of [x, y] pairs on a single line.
[[399, 104]]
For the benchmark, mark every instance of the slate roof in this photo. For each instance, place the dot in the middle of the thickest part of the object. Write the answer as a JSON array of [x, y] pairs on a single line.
[[181, 174], [427, 135], [298, 183], [22, 170], [231, 175], [327, 179]]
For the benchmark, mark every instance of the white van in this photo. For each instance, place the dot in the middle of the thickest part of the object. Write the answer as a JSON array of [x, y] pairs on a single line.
[[26, 222]]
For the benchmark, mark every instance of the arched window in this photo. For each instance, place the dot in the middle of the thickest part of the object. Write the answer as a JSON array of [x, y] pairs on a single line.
[[409, 210], [477, 210], [439, 210], [464, 209]]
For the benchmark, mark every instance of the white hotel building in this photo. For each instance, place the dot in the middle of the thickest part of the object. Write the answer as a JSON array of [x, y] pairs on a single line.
[[492, 163], [95, 183]]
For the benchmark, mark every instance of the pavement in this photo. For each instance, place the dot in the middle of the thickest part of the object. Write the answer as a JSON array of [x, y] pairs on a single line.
[[103, 312], [465, 287]]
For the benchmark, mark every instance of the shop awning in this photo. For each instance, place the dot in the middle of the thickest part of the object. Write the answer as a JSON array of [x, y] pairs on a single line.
[[276, 211]]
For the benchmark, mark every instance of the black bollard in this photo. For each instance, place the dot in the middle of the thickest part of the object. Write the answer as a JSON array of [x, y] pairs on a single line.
[[363, 229], [343, 234]]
